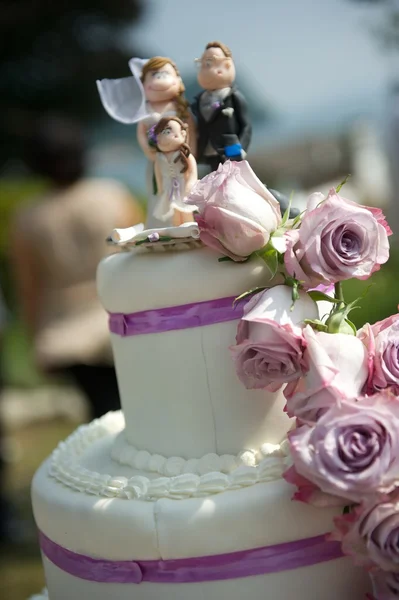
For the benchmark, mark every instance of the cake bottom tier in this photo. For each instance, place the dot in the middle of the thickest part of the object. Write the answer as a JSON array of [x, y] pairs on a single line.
[[326, 581], [80, 529]]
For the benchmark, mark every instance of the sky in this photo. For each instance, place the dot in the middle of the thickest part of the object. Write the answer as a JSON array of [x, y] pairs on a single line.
[[299, 55]]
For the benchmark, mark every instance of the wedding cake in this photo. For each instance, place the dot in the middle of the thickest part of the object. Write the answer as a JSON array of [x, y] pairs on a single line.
[[181, 495]]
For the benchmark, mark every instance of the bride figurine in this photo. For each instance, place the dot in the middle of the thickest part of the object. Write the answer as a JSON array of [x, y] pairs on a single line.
[[175, 171], [154, 91]]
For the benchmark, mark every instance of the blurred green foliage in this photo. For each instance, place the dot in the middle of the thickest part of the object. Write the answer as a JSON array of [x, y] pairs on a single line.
[[17, 365], [13, 194], [382, 298], [17, 360]]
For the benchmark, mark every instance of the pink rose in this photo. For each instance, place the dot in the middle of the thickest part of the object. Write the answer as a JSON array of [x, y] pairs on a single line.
[[383, 340], [237, 213], [370, 534], [308, 492], [353, 449], [269, 338], [337, 240], [335, 366]]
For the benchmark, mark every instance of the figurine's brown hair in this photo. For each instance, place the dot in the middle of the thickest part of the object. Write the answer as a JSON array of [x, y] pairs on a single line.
[[184, 150], [225, 49], [157, 62]]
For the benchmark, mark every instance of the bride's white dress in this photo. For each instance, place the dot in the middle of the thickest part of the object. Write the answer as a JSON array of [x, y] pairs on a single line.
[[152, 199], [173, 187]]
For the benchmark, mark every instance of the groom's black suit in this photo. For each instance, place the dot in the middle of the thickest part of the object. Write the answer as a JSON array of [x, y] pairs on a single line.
[[228, 125]]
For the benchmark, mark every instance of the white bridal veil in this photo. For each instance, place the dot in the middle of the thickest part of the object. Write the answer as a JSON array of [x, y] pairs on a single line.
[[124, 99]]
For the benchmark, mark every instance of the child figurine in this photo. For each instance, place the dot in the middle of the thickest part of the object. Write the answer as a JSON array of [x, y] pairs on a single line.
[[224, 130], [156, 90], [175, 171]]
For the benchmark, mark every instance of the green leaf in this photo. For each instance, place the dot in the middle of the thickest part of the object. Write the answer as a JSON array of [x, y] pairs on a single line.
[[338, 188], [337, 322], [351, 325], [225, 259], [316, 324], [286, 214], [252, 292], [270, 256], [295, 284], [351, 306], [318, 296], [339, 292], [297, 219], [292, 281], [295, 293]]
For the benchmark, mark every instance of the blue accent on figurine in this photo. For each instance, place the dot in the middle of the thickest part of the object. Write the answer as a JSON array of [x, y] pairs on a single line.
[[233, 150]]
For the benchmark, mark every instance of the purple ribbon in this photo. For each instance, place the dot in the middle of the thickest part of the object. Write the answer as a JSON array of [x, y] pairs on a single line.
[[246, 563], [173, 318]]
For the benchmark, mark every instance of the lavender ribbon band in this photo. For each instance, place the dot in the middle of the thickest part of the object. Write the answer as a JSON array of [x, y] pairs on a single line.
[[235, 565], [174, 318]]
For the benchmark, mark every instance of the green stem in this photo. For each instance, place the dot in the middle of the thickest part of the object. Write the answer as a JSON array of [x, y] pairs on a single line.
[[339, 293]]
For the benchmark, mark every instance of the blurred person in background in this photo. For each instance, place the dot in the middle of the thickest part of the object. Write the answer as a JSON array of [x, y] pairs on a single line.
[[56, 245]]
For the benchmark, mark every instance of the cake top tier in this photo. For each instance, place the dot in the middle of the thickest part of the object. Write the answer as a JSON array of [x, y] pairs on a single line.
[[179, 390], [141, 280]]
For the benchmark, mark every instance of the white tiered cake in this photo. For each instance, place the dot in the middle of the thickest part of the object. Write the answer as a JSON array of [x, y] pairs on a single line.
[[181, 496]]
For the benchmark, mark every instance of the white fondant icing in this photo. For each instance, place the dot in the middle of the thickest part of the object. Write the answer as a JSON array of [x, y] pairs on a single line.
[[126, 454], [109, 527], [249, 517], [130, 236], [66, 467], [179, 390]]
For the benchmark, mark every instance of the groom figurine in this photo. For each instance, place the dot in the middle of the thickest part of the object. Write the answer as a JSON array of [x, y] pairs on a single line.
[[223, 128]]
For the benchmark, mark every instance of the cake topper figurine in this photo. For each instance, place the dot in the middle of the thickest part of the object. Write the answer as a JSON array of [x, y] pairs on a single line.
[[223, 127], [175, 170], [154, 90]]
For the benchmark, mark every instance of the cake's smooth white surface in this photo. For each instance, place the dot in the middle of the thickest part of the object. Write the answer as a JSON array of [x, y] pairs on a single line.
[[117, 528], [179, 390], [328, 581], [197, 470], [86, 462]]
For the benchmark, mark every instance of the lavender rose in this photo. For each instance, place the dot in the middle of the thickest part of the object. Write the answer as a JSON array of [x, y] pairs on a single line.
[[336, 368], [270, 343], [353, 450], [386, 585], [237, 213], [337, 240], [383, 340], [371, 535]]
